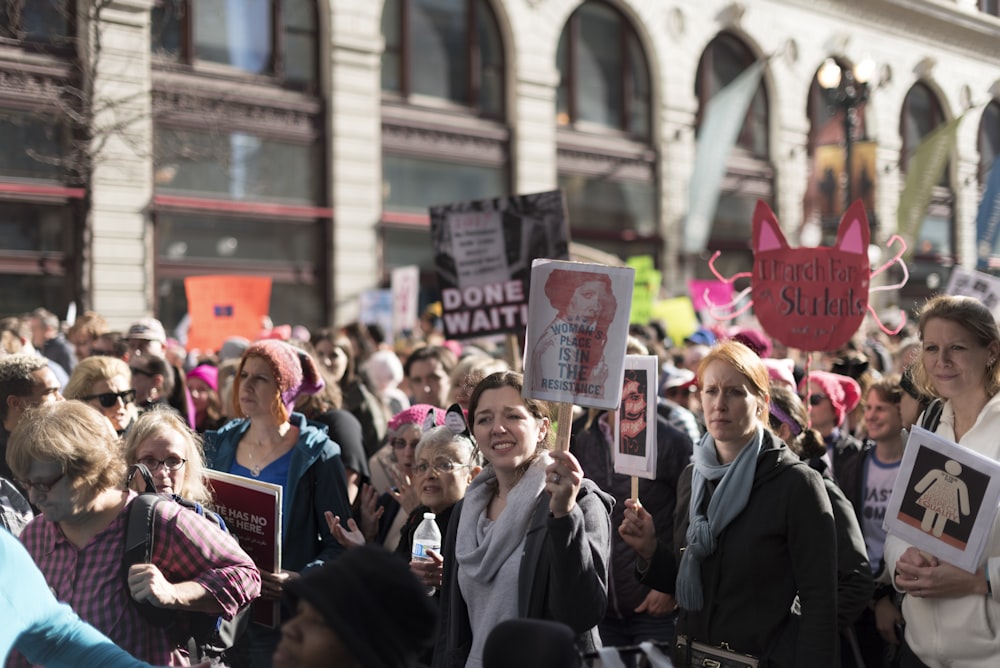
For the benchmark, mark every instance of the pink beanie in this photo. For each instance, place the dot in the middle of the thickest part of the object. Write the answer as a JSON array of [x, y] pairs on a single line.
[[207, 373], [294, 370], [416, 414], [843, 391], [781, 370]]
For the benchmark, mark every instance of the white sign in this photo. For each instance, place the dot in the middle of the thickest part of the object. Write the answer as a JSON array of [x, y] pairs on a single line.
[[635, 419]]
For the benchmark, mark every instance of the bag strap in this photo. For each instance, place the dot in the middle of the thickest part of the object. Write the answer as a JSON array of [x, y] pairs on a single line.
[[147, 477], [932, 415]]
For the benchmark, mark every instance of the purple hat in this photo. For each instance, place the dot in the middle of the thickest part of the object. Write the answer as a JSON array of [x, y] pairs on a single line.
[[207, 373], [294, 370]]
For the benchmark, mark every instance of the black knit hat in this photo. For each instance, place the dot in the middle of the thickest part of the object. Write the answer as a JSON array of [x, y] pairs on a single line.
[[374, 604]]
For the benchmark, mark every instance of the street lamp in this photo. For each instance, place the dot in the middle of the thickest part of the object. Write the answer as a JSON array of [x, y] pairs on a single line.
[[846, 89]]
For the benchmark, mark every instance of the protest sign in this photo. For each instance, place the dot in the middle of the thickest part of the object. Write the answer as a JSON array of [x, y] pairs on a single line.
[[635, 419], [945, 499], [984, 287], [225, 306], [483, 252], [646, 290], [252, 511], [376, 309], [577, 327], [405, 282], [811, 298]]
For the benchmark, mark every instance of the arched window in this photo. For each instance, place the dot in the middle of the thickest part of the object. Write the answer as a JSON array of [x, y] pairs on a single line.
[[606, 162], [275, 38], [832, 188], [723, 60], [749, 174], [239, 152], [922, 114], [444, 138], [603, 75], [444, 49]]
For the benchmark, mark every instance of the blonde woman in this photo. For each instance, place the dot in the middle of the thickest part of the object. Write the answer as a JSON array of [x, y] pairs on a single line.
[[105, 383], [162, 442]]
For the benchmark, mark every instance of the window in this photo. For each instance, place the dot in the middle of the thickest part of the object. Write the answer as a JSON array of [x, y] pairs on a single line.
[[40, 22], [921, 115], [990, 7], [989, 141], [446, 50], [603, 75], [724, 59], [275, 38]]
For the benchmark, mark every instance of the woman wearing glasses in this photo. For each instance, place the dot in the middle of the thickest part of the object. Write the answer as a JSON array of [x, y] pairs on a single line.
[[105, 383], [161, 442]]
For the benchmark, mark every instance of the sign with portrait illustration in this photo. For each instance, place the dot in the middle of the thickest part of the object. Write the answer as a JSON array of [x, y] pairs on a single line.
[[577, 326], [635, 419], [483, 250], [252, 512], [945, 499]]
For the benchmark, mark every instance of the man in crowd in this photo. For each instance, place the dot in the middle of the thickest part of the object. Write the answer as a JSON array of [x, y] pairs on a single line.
[[49, 341], [427, 372], [26, 381]]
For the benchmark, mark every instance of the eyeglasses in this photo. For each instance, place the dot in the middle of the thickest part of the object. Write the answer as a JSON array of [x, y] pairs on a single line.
[[816, 399], [441, 466], [109, 399], [42, 487], [170, 463]]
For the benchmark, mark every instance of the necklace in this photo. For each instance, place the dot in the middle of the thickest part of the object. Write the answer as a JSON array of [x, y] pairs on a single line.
[[255, 467]]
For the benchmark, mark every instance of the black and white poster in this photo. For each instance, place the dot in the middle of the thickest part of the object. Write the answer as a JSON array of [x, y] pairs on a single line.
[[483, 250]]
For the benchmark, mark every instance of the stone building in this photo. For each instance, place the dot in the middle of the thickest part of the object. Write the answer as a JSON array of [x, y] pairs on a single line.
[[150, 140]]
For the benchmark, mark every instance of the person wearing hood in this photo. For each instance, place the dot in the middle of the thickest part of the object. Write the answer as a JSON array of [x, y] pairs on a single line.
[[531, 538], [754, 533], [272, 444]]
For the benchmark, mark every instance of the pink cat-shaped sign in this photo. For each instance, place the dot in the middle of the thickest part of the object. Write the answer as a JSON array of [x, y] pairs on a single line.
[[811, 298]]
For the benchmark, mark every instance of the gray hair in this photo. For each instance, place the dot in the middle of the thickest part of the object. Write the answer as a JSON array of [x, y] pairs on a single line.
[[441, 436]]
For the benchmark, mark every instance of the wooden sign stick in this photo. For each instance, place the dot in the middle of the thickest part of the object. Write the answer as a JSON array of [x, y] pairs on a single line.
[[565, 421]]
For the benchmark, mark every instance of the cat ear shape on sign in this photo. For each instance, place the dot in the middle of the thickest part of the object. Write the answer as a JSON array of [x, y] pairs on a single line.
[[767, 234], [854, 233], [455, 420]]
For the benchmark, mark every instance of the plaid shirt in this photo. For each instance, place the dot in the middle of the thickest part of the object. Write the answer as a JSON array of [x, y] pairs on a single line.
[[90, 580]]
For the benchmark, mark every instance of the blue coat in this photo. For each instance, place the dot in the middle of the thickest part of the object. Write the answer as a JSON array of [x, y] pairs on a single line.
[[316, 483]]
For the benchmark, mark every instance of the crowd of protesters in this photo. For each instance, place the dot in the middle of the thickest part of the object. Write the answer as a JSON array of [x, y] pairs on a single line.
[[761, 532]]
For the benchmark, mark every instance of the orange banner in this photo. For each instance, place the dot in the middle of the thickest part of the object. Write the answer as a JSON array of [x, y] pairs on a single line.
[[224, 306]]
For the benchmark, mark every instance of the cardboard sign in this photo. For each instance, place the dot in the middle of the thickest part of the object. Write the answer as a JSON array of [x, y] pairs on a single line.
[[577, 327], [252, 511], [483, 251], [811, 298], [945, 499], [646, 289], [984, 287], [405, 283], [225, 306], [635, 419]]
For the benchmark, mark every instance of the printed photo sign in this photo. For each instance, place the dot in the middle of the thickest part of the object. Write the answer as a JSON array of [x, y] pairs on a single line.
[[984, 287], [252, 511], [483, 250], [577, 327], [635, 419], [945, 499]]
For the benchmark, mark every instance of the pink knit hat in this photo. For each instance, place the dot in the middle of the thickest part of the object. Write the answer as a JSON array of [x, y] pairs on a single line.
[[207, 373], [843, 391], [416, 414], [294, 370]]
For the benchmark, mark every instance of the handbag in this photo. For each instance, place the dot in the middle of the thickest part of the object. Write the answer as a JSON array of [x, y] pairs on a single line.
[[701, 655]]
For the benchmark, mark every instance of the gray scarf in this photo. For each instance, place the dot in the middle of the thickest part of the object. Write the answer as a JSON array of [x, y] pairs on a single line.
[[726, 504]]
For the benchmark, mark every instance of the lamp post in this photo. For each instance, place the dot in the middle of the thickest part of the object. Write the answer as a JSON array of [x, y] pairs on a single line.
[[846, 89]]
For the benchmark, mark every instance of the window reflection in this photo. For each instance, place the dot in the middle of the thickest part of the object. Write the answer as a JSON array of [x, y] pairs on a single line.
[[33, 144], [413, 184]]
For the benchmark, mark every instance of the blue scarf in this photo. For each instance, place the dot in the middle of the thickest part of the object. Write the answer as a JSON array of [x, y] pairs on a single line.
[[726, 504]]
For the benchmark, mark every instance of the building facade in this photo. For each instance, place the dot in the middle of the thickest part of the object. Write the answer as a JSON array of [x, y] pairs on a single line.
[[151, 140]]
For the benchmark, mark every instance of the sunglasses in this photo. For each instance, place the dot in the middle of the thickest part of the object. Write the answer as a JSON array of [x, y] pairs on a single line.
[[816, 399], [109, 399], [42, 487]]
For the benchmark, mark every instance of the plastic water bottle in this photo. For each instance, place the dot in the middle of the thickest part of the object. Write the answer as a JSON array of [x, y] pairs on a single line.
[[426, 537]]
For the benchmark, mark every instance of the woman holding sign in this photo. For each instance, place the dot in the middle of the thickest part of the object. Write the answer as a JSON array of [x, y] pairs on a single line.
[[754, 527], [273, 444], [951, 615], [531, 537]]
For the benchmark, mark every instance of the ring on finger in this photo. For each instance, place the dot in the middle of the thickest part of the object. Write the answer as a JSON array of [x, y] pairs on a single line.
[[555, 477]]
